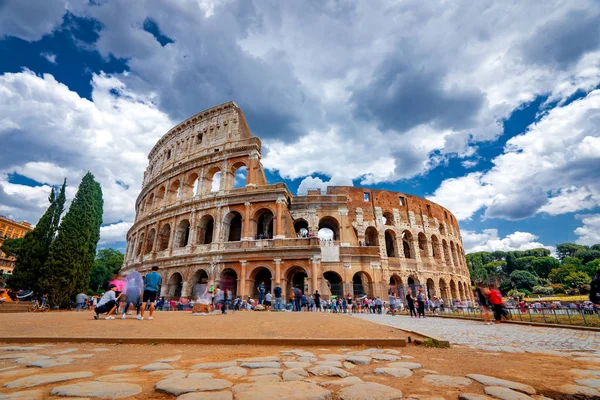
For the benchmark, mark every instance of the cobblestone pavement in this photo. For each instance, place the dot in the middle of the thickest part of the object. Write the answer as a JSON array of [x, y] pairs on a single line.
[[491, 337]]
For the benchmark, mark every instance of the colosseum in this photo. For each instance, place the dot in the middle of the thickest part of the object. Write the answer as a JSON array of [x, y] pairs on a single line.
[[200, 222]]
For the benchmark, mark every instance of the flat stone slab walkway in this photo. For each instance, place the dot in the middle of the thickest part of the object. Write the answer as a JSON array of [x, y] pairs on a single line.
[[494, 337]]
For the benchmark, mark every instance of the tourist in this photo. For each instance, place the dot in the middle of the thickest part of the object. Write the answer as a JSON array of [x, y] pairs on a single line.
[[421, 303], [410, 304], [378, 305], [80, 299], [595, 289], [435, 304], [278, 299], [317, 297], [268, 298], [107, 304], [303, 302], [151, 283], [344, 305], [484, 305], [392, 302], [497, 303], [237, 305], [261, 292], [119, 284], [442, 305], [134, 284], [297, 298]]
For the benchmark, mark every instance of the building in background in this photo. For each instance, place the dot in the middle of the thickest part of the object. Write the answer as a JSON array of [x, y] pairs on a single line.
[[207, 214], [10, 229]]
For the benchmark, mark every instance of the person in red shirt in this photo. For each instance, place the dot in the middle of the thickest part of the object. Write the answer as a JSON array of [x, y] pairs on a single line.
[[497, 304]]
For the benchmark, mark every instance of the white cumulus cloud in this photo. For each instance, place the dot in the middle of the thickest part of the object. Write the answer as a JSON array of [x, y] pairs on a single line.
[[489, 240]]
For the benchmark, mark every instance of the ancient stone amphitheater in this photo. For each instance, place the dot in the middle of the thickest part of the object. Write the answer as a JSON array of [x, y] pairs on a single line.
[[199, 222]]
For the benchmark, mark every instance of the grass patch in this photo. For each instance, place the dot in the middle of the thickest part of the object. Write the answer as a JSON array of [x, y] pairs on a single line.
[[430, 342]]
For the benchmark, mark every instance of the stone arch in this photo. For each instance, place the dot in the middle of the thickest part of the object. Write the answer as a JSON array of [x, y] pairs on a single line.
[[297, 276], [407, 244], [174, 188], [447, 255], [461, 291], [212, 180], [372, 236], [190, 187], [362, 284], [335, 283], [206, 227], [391, 243], [239, 174], [453, 253], [228, 280], [301, 227], [435, 247], [199, 282], [140, 245], [422, 244], [332, 224], [260, 274], [389, 218], [150, 241], [396, 285], [149, 203], [430, 288], [174, 286], [160, 196], [444, 291], [413, 283], [232, 227], [442, 229], [453, 291], [263, 223], [182, 235], [163, 237]]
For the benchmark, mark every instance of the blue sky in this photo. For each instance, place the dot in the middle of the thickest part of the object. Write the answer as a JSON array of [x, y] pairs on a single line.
[[491, 109]]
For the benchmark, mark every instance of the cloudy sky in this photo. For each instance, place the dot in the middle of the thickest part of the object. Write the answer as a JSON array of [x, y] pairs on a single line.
[[489, 108]]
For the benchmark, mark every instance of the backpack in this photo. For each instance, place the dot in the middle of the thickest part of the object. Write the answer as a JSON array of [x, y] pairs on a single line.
[[211, 289]]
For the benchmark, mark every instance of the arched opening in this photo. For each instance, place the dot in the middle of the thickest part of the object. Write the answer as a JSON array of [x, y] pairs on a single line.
[[190, 186], [390, 243], [447, 256], [413, 284], [206, 226], [140, 245], [232, 227], [160, 197], [174, 286], [297, 277], [150, 241], [239, 175], [182, 235], [264, 224], [461, 291], [422, 244], [199, 283], [361, 283], [331, 224], [435, 244], [212, 181], [228, 281], [301, 228], [444, 290], [163, 237], [453, 252], [261, 275], [442, 229], [334, 282], [149, 203], [430, 288], [174, 191], [215, 184], [396, 286], [372, 236], [406, 244], [388, 218], [453, 291]]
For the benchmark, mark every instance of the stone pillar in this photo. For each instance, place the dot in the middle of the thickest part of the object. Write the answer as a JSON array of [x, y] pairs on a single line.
[[315, 261], [193, 230], [156, 237], [343, 213], [252, 165], [242, 279], [185, 290], [246, 226], [277, 262], [279, 234]]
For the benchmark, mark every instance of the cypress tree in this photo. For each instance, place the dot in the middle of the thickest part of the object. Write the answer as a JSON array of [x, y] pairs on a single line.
[[35, 249], [72, 253]]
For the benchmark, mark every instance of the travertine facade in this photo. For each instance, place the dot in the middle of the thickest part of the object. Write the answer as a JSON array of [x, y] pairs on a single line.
[[10, 229], [196, 224]]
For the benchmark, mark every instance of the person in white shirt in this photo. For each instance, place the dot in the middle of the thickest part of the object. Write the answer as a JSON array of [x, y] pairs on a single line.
[[107, 304], [268, 299]]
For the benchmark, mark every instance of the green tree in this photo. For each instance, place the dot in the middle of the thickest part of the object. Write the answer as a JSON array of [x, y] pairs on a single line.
[[558, 275], [568, 250], [72, 253], [587, 255], [577, 280], [108, 262], [11, 247], [523, 280], [525, 263], [511, 263], [591, 267], [35, 247], [543, 265]]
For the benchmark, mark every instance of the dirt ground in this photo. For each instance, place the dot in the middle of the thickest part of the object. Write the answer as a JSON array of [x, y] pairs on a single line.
[[243, 324], [545, 373]]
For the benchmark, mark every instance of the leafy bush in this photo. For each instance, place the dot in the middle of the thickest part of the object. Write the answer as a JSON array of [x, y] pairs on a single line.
[[545, 290], [558, 288], [515, 293]]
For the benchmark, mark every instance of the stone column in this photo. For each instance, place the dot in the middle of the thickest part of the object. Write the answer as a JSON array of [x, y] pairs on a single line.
[[252, 165], [315, 261], [156, 237], [343, 213], [277, 262], [193, 230], [242, 278], [246, 226], [279, 234], [185, 290]]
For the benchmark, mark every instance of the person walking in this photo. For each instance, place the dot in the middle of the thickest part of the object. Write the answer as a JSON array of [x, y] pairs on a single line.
[[392, 302], [298, 298], [421, 303], [108, 303], [484, 304], [410, 304], [152, 282], [134, 284], [220, 299], [80, 299], [495, 298], [317, 297], [278, 299], [261, 293]]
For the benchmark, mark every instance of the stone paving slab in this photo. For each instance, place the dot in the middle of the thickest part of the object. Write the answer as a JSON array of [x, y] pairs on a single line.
[[475, 333], [95, 389]]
